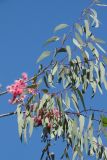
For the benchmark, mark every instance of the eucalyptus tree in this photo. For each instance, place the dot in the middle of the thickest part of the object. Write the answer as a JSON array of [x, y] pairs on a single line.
[[54, 98]]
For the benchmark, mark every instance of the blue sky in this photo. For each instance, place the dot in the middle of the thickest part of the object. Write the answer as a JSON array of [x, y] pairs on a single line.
[[24, 26]]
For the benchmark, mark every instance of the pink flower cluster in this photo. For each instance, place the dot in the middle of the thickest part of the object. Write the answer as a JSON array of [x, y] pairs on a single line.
[[18, 89], [43, 113]]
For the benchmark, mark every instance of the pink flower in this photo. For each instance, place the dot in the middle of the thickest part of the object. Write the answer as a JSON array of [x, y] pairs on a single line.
[[17, 89], [24, 76], [31, 90], [38, 120]]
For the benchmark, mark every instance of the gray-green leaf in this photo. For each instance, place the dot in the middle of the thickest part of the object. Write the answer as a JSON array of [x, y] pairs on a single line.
[[60, 27], [43, 55]]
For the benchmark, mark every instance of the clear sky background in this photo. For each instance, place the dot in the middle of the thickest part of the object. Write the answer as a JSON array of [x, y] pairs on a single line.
[[24, 27]]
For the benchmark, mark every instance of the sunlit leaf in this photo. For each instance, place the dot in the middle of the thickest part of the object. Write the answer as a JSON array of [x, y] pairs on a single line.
[[102, 72], [76, 43], [100, 48], [79, 38], [43, 55], [101, 5], [60, 27], [94, 17], [81, 120], [79, 28], [68, 48], [20, 121], [87, 29], [55, 68], [31, 125], [52, 39], [98, 40], [67, 100]]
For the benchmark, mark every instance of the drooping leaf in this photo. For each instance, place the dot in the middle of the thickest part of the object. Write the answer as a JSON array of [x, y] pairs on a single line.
[[81, 98], [31, 125], [52, 39], [76, 43], [93, 49], [75, 101], [94, 17], [67, 100], [55, 68], [59, 50], [43, 55], [60, 27], [102, 72], [100, 48], [46, 82], [74, 155], [20, 121], [68, 48], [86, 141], [104, 121], [88, 33], [79, 38], [79, 28], [98, 40], [81, 120]]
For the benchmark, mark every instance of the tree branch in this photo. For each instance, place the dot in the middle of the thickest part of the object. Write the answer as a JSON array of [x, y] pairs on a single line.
[[8, 114]]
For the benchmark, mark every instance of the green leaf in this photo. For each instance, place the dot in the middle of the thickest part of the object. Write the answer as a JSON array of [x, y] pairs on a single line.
[[75, 102], [88, 33], [82, 121], [61, 50], [79, 38], [31, 125], [93, 49], [44, 99], [81, 98], [20, 120], [76, 43], [94, 17], [101, 5], [86, 141], [43, 55], [60, 27], [104, 121], [100, 48], [55, 68], [25, 132], [74, 155], [52, 39], [32, 86], [50, 80], [46, 82], [67, 100], [98, 40], [68, 48], [79, 28], [45, 90], [102, 72], [64, 38], [100, 88]]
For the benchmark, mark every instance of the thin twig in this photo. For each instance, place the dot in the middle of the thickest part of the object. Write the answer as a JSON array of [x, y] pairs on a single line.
[[8, 114]]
